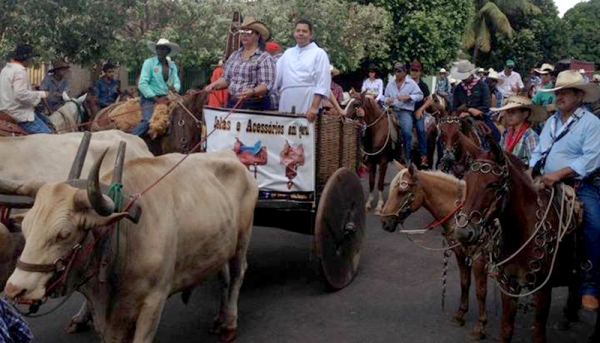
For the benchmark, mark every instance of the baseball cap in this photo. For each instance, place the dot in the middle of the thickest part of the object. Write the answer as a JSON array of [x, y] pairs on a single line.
[[416, 65], [510, 63]]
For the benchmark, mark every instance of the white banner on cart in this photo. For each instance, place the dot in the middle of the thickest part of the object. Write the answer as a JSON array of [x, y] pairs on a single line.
[[278, 150]]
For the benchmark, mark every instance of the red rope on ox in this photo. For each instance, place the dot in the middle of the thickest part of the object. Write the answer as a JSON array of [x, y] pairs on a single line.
[[196, 147], [435, 223]]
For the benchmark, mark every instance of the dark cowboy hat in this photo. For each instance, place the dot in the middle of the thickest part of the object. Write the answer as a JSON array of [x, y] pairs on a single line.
[[58, 65], [23, 52]]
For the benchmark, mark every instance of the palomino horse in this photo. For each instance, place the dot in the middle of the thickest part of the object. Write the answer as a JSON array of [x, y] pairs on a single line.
[[382, 143], [69, 116], [184, 125], [524, 250], [440, 194]]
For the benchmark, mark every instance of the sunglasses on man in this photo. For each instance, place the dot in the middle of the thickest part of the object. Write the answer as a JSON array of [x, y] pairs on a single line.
[[246, 32]]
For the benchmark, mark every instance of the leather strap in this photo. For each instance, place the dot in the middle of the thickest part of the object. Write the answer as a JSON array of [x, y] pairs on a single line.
[[36, 268]]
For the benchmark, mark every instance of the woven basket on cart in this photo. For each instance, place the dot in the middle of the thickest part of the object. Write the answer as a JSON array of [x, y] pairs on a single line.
[[337, 146]]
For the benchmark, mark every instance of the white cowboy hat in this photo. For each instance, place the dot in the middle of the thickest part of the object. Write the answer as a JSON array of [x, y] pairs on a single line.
[[480, 70], [545, 68], [492, 74], [573, 79], [443, 71], [462, 70], [581, 71], [175, 49], [452, 80], [538, 113], [596, 78], [261, 28]]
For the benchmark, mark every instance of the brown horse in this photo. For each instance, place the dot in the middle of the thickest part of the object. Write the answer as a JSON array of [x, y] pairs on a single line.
[[185, 126], [381, 143], [437, 110], [453, 160], [439, 193], [533, 249]]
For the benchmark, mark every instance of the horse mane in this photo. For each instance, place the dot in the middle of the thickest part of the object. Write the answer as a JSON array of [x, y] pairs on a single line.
[[371, 104]]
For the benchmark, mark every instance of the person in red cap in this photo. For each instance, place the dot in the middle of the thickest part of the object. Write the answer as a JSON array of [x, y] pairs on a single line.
[[421, 106], [275, 50]]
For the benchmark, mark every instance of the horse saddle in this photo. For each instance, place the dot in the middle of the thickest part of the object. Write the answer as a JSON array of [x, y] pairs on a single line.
[[251, 155], [396, 131], [9, 126], [253, 150]]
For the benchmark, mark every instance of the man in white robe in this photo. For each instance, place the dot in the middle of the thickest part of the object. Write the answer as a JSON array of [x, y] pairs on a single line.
[[303, 74]]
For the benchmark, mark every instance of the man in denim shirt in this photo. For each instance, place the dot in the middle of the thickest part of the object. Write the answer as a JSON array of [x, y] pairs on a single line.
[[159, 76], [107, 89], [569, 150], [403, 93]]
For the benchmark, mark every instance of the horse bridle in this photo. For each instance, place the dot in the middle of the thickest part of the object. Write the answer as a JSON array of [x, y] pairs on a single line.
[[482, 219], [404, 210]]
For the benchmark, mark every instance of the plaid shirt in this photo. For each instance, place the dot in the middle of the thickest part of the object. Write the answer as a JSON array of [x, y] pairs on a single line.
[[259, 69], [525, 146], [13, 328]]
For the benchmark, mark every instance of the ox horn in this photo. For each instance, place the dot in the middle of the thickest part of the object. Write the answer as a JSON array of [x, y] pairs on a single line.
[[77, 166], [103, 206], [119, 162]]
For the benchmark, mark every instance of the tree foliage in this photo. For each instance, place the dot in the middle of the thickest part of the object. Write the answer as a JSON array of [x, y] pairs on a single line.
[[584, 23], [427, 30]]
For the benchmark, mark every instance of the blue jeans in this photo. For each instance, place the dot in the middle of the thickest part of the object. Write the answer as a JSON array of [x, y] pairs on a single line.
[[256, 104], [589, 195], [147, 110], [406, 123], [38, 125]]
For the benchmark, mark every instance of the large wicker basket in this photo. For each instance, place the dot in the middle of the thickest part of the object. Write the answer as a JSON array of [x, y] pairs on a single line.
[[337, 145]]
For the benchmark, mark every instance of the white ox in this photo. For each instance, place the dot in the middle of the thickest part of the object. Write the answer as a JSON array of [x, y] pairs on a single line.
[[195, 223], [48, 158]]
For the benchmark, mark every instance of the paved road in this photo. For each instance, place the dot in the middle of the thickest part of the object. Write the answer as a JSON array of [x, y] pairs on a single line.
[[396, 297]]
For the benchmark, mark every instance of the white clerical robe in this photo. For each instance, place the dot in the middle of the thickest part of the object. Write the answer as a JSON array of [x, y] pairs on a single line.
[[302, 73]]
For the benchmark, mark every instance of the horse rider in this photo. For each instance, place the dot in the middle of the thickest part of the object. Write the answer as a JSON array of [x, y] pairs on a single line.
[[416, 72], [107, 89], [373, 83], [545, 99], [303, 74], [443, 87], [403, 93], [569, 152], [513, 84], [55, 83], [472, 96], [159, 76], [249, 71], [520, 114], [17, 99]]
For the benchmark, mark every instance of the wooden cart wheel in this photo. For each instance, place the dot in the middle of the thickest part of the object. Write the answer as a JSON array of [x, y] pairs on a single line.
[[340, 228]]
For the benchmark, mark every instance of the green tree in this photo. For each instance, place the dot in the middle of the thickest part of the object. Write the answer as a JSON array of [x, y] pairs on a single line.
[[491, 18], [583, 21], [428, 30]]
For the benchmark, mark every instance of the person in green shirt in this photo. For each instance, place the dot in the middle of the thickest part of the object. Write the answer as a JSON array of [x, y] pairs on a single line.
[[159, 76], [545, 99]]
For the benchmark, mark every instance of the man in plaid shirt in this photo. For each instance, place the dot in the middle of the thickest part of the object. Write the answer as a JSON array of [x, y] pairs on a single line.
[[13, 328]]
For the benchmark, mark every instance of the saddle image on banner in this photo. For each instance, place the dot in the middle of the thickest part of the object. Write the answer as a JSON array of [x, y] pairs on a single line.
[[278, 150]]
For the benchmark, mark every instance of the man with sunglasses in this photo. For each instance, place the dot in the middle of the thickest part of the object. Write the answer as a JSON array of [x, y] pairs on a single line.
[[402, 94]]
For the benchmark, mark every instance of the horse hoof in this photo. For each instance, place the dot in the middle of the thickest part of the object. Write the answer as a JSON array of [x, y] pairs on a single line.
[[477, 335], [228, 335], [216, 328], [78, 326], [368, 208], [459, 320]]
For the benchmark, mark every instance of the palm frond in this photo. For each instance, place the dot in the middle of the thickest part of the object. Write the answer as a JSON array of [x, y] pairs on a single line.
[[484, 37], [496, 18], [470, 35]]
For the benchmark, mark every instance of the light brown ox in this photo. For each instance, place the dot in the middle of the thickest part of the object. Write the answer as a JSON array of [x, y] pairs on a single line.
[[194, 223], [47, 158]]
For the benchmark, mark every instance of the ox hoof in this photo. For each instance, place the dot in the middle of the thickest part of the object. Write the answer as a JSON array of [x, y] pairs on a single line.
[[78, 325], [227, 335]]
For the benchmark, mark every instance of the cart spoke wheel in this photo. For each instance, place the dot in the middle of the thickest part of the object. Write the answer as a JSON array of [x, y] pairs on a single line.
[[340, 228]]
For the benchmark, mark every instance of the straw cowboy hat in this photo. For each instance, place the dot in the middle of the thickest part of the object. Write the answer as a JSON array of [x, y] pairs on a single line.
[[462, 70], [492, 74], [261, 28], [58, 65], [334, 71], [538, 114], [175, 48], [545, 68], [572, 79]]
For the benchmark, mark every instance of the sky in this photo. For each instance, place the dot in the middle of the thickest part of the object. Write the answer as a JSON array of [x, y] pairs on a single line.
[[565, 5]]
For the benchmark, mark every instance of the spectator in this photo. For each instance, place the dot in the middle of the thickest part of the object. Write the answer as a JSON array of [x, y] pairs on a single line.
[[513, 84], [55, 83], [107, 89], [373, 84], [221, 97]]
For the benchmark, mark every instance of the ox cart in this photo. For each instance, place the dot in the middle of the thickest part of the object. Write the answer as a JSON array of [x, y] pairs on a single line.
[[308, 180]]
